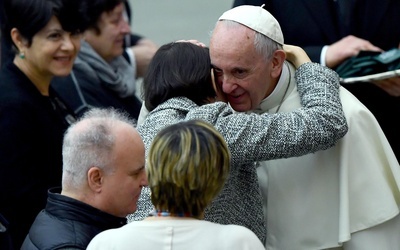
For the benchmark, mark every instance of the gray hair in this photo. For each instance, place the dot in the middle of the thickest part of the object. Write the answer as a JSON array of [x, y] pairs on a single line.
[[263, 45], [91, 144]]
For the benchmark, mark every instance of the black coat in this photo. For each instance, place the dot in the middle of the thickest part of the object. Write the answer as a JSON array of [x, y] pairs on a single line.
[[67, 223], [31, 132]]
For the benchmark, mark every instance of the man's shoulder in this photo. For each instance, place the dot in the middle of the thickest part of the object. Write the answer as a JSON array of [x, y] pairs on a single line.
[[52, 232]]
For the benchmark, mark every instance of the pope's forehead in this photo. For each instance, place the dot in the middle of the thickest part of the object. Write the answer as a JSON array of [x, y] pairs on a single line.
[[226, 36], [232, 44]]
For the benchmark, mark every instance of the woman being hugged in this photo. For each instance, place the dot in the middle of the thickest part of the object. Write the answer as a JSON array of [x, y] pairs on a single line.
[[45, 35]]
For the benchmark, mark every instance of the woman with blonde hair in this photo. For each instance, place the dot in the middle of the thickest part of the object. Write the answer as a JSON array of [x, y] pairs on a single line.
[[187, 166]]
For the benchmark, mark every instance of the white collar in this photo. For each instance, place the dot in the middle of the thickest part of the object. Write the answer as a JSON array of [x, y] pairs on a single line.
[[278, 94]]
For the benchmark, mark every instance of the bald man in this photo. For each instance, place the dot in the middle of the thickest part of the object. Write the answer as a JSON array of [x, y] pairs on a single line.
[[103, 175]]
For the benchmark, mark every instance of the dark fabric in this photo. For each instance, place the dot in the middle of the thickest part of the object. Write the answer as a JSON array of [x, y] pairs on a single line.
[[370, 62], [81, 95], [31, 132], [5, 46], [68, 223], [132, 40], [5, 237], [311, 24], [248, 2]]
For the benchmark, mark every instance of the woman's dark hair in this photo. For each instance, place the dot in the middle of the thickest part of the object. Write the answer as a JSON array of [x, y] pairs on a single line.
[[30, 16], [98, 7], [178, 69]]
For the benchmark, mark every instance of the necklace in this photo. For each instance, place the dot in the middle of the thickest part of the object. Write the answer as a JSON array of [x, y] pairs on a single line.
[[161, 213]]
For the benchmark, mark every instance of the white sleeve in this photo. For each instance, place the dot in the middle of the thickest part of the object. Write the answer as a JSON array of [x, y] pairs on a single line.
[[323, 55], [132, 58]]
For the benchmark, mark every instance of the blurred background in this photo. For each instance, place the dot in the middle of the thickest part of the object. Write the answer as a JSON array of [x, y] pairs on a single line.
[[165, 21]]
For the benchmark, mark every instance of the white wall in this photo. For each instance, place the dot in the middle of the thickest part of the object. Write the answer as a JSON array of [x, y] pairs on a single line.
[[165, 21]]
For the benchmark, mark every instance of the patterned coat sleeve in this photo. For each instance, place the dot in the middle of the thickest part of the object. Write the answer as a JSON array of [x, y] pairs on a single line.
[[316, 126]]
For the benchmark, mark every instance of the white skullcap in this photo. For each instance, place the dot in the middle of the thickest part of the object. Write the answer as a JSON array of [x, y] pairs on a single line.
[[256, 18]]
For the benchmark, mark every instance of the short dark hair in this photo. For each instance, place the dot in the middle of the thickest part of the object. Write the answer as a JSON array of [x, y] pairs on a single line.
[[30, 16], [178, 69], [98, 7]]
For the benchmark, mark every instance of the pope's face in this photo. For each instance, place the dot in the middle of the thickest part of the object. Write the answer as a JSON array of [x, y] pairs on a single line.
[[244, 75]]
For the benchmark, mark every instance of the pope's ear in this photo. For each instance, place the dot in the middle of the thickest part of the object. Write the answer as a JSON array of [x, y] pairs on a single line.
[[277, 61], [95, 179]]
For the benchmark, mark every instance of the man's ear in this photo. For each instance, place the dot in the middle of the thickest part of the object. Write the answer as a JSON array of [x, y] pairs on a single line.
[[95, 179], [277, 62]]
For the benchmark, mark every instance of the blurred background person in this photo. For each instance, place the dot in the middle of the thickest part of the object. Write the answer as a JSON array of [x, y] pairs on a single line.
[[103, 174], [187, 166], [46, 41], [335, 30], [102, 76]]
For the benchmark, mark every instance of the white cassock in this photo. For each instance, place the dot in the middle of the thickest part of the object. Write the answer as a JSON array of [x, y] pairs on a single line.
[[325, 199]]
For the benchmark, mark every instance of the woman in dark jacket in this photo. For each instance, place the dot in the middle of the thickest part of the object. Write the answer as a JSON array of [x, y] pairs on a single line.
[[32, 120]]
